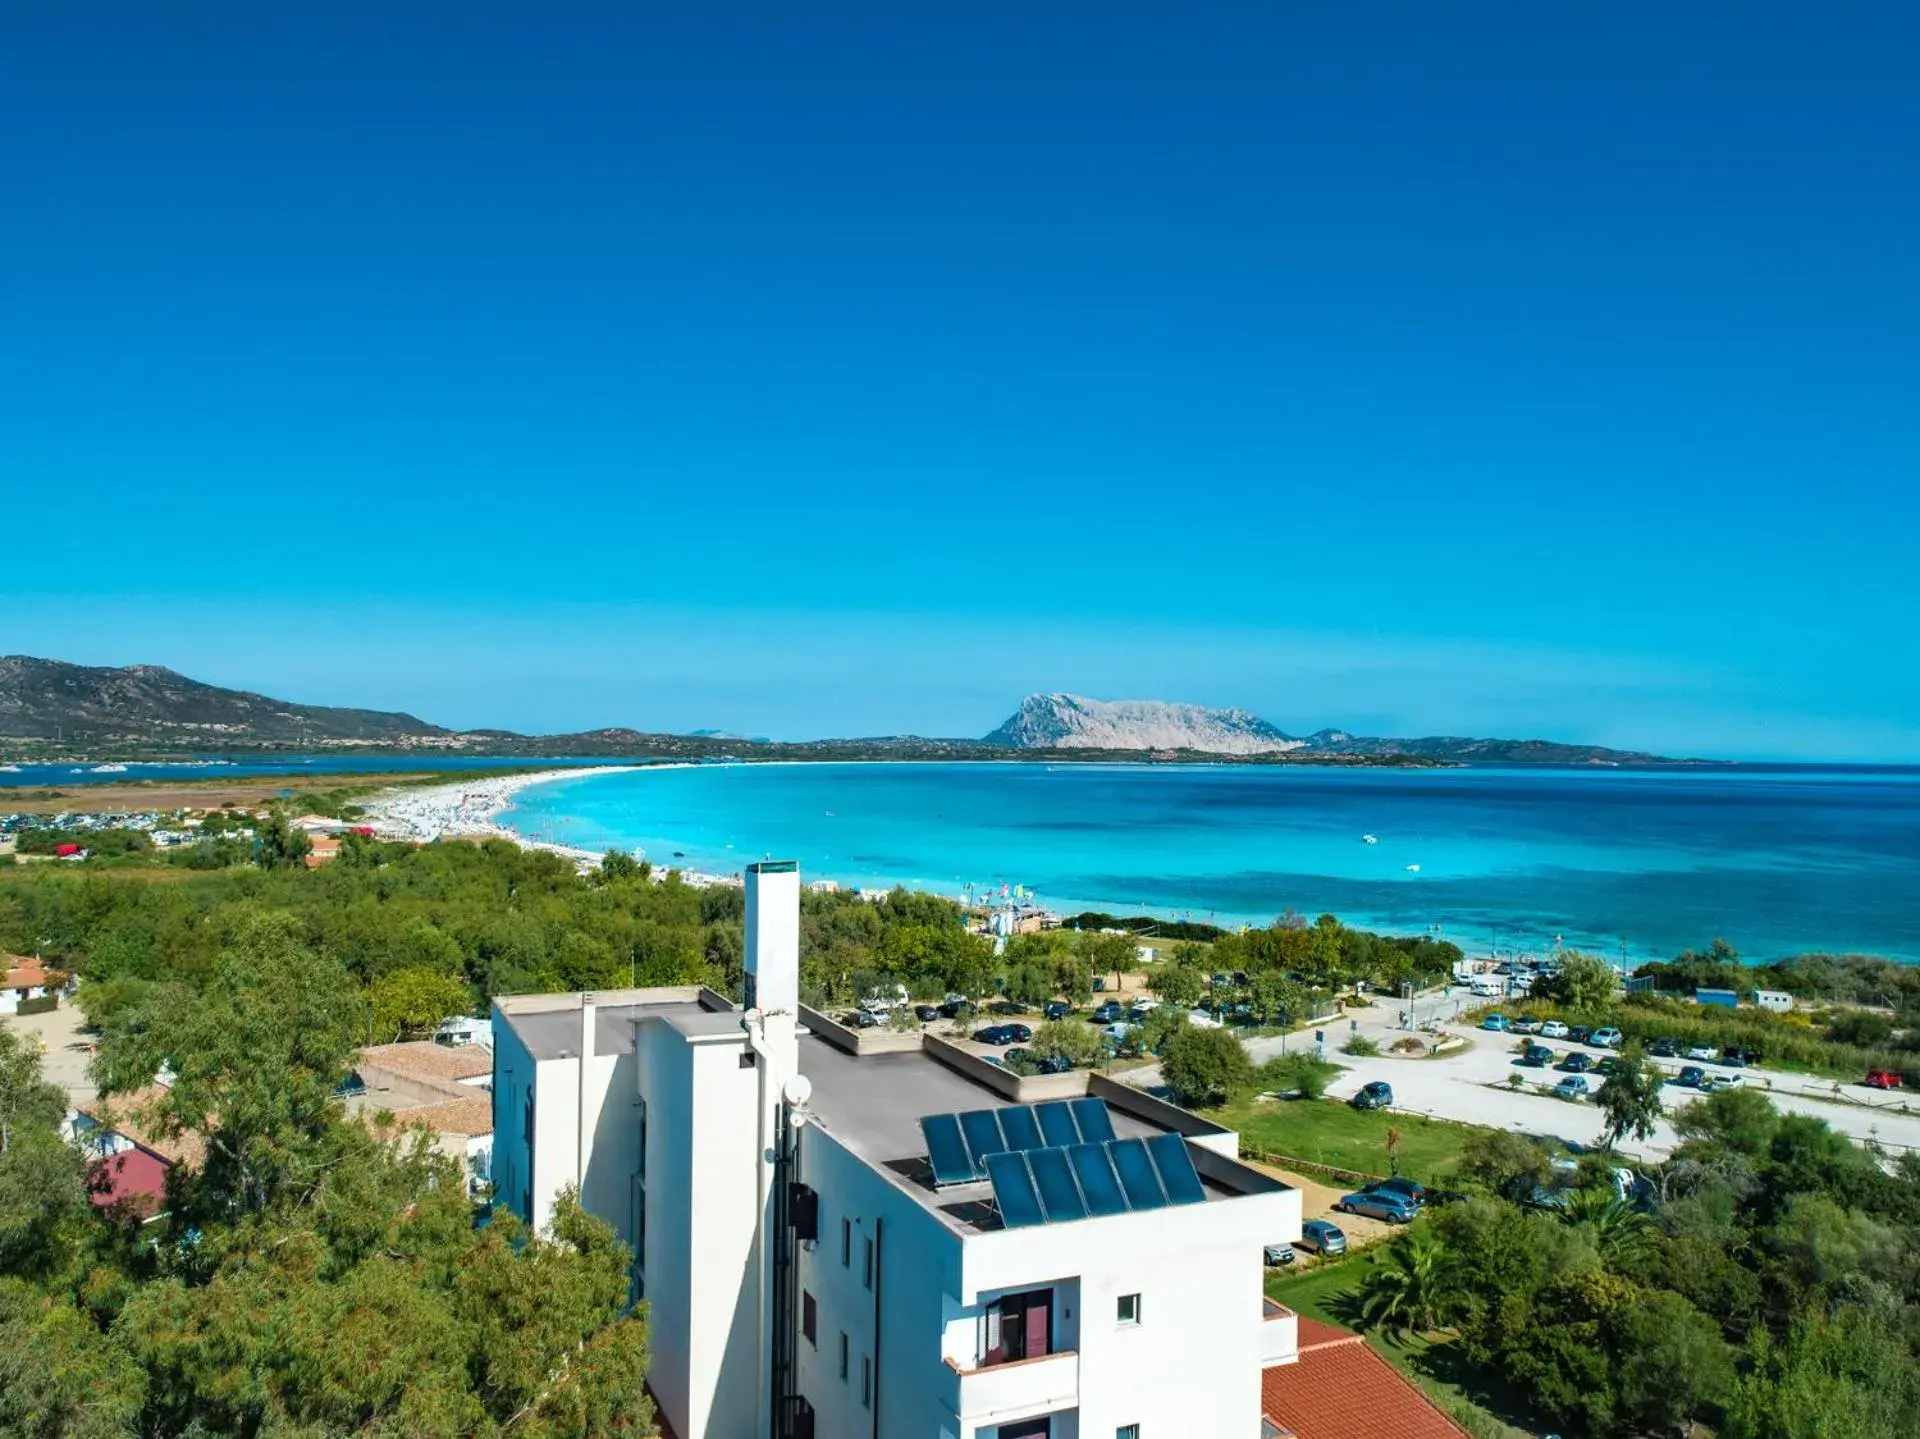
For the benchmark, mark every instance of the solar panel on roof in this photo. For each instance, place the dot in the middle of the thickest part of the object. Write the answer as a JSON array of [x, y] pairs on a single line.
[[1138, 1177], [1021, 1128], [1096, 1127], [1059, 1191], [1056, 1123], [1013, 1191], [1093, 1167], [1175, 1164], [947, 1150], [982, 1128]]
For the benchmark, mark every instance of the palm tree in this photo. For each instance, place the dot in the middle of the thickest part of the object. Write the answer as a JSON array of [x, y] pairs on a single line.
[[1619, 1230], [1409, 1287]]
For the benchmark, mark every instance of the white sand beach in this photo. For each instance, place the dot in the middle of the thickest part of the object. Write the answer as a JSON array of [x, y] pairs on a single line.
[[471, 809]]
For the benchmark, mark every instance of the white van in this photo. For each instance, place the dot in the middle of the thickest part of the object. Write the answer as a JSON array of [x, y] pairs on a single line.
[[1488, 986]]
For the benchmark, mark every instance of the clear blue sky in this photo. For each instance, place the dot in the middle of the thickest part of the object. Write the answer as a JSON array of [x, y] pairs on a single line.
[[1500, 369]]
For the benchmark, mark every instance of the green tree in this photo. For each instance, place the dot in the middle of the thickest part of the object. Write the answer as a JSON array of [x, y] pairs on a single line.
[[60, 1376], [1839, 1376], [1630, 1097], [1740, 1120], [1205, 1067], [279, 845], [1275, 999], [1112, 954], [1297, 1073], [411, 1003], [254, 1059], [1409, 1286], [1619, 1232], [1584, 983], [1178, 984], [1502, 1162], [1079, 1044]]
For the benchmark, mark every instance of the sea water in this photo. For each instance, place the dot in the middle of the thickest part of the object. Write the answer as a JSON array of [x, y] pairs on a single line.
[[1777, 860]]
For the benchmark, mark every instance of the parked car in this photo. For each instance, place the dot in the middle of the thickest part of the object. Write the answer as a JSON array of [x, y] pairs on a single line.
[[1057, 1010], [1376, 1204], [1576, 1063], [1003, 1034], [1714, 1083], [1108, 1012], [1574, 1087], [1579, 1034], [1118, 1032], [1665, 1049], [1606, 1064], [1537, 1056], [1882, 1079], [1200, 1019], [1542, 1196], [1691, 1076], [1554, 1029], [1323, 1236], [1411, 1190], [1700, 1051], [926, 1013], [1606, 1037], [1498, 1023], [1278, 1254], [1377, 1095], [1526, 1024], [863, 1019], [1138, 1014], [957, 1008], [1739, 1057]]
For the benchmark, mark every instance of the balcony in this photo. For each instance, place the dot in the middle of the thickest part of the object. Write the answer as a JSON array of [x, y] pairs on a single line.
[[1016, 1389], [1279, 1335]]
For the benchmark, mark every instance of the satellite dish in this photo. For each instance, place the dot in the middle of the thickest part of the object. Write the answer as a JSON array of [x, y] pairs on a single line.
[[797, 1090]]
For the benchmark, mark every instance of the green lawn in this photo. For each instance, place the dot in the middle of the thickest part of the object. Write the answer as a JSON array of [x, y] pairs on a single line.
[[1327, 1131], [1329, 1293]]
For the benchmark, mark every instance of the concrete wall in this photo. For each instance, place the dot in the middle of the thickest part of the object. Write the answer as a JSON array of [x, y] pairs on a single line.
[[1141, 1105], [918, 1283]]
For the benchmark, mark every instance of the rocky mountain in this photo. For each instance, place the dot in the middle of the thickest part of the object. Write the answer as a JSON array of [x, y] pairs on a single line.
[[1062, 721], [79, 704]]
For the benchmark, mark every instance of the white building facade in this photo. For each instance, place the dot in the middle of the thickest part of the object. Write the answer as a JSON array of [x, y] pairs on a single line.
[[807, 1271]]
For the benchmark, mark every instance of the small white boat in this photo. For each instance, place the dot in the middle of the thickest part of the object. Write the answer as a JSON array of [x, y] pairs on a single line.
[[9, 769], [1413, 869], [108, 769], [1370, 839]]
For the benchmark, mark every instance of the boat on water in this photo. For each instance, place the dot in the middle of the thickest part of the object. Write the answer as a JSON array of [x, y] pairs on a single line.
[[9, 769], [108, 769], [1370, 839], [1413, 869]]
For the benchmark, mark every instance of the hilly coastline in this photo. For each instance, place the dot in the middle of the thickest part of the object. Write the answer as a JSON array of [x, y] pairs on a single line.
[[49, 708]]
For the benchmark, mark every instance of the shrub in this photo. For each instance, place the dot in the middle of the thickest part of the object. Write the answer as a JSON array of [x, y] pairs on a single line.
[[1205, 1067], [45, 1004], [1360, 1046], [1079, 1044], [1299, 1073]]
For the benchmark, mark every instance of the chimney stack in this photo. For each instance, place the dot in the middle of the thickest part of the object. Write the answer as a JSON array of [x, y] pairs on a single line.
[[773, 936]]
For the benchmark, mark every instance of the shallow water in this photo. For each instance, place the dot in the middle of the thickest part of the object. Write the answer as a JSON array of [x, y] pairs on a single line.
[[1778, 860]]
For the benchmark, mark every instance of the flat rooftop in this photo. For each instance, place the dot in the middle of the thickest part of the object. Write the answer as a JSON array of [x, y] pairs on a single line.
[[553, 1032], [873, 1104]]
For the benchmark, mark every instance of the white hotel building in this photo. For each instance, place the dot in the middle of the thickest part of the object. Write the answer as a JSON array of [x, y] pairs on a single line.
[[1073, 1259]]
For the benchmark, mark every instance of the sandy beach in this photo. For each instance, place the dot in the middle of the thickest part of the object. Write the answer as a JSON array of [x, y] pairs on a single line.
[[471, 809]]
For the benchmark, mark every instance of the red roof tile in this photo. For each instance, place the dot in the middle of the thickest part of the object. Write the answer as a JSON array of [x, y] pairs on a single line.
[[133, 1176], [1341, 1389]]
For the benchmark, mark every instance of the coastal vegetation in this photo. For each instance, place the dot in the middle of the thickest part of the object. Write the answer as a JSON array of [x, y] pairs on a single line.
[[310, 1275], [1853, 1013], [1764, 1281]]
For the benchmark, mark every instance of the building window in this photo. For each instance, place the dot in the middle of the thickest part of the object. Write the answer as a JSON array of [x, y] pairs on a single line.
[[843, 1356], [846, 1244], [809, 1318], [1127, 1431], [643, 1138], [866, 1382], [866, 1278], [1128, 1309]]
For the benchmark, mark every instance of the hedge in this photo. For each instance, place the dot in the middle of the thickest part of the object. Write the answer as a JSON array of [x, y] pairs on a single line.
[[45, 1004]]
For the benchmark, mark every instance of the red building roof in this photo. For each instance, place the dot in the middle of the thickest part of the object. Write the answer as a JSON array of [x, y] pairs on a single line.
[[136, 1177], [1341, 1389]]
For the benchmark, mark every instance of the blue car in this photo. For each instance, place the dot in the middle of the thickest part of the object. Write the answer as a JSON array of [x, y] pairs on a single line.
[[1379, 1204], [1495, 1022], [1323, 1236]]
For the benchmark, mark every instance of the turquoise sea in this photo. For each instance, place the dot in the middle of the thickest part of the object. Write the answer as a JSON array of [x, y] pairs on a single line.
[[1778, 860]]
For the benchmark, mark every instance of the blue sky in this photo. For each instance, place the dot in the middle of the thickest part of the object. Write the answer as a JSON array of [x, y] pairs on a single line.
[[1500, 369]]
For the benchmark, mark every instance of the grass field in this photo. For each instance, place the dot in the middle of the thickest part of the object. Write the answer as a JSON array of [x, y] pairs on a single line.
[[1326, 1131], [1330, 1294]]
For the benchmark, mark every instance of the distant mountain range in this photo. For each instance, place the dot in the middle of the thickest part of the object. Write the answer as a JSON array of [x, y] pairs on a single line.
[[50, 707]]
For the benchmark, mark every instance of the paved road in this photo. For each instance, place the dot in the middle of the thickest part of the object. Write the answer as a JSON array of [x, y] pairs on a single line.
[[1470, 1086]]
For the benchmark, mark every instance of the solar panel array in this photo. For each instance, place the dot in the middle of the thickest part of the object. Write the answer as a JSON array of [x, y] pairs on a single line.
[[1059, 1161]]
